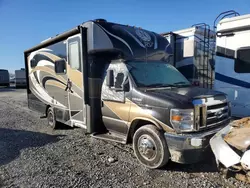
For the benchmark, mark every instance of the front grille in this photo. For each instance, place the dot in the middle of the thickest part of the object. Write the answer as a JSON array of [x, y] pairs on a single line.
[[214, 115]]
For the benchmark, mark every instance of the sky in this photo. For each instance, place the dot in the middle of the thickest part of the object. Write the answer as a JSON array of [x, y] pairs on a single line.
[[25, 23]]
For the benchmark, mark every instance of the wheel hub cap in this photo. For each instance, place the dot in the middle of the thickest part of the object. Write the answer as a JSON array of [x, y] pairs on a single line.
[[146, 147], [51, 120]]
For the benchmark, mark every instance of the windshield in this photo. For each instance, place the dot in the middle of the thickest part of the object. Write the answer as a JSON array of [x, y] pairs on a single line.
[[156, 74]]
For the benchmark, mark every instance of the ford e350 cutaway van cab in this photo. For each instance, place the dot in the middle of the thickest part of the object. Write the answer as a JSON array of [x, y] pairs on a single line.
[[115, 81]]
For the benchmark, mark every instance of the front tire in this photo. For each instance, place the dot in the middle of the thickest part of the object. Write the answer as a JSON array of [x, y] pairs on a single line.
[[51, 118], [150, 147]]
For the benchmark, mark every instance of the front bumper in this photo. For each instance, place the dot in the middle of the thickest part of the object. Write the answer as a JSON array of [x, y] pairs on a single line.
[[190, 148]]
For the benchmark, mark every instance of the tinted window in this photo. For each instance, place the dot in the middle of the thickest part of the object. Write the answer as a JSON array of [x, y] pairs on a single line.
[[74, 55], [150, 74], [242, 62]]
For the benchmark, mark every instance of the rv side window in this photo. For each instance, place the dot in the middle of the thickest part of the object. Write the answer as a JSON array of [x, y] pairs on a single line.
[[74, 55], [242, 62]]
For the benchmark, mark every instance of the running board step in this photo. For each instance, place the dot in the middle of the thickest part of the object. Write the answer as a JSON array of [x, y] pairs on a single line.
[[110, 137]]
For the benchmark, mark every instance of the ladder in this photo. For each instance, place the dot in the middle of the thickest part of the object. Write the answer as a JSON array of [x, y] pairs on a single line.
[[203, 62]]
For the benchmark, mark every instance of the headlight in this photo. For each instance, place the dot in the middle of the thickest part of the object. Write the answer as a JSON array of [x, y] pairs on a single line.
[[182, 119]]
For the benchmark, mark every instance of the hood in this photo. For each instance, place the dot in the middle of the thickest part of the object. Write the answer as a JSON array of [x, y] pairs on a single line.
[[178, 97], [239, 135]]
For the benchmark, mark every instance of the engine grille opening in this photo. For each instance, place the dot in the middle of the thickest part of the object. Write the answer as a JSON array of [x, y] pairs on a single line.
[[215, 115]]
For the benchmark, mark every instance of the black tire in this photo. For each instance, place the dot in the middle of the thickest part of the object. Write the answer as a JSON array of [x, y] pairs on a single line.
[[51, 118], [150, 147]]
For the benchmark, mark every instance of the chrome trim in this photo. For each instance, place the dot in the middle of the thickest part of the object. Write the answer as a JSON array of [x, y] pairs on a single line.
[[217, 109], [204, 115], [197, 117], [213, 124], [214, 117], [212, 103], [201, 109]]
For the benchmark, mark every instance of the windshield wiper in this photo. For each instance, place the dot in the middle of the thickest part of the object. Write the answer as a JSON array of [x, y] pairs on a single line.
[[160, 85], [181, 83]]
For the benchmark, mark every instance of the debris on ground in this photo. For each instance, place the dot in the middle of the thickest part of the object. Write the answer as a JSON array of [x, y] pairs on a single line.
[[66, 157]]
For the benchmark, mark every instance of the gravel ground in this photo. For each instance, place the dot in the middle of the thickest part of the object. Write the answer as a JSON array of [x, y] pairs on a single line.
[[33, 155]]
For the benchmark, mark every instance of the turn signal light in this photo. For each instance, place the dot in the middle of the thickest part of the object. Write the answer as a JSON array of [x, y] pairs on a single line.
[[176, 118]]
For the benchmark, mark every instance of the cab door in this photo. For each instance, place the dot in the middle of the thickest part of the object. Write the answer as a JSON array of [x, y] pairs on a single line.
[[75, 81], [115, 106]]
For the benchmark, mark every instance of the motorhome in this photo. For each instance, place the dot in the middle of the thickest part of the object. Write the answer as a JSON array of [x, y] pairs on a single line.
[[193, 53], [115, 81], [20, 78], [233, 62], [4, 78]]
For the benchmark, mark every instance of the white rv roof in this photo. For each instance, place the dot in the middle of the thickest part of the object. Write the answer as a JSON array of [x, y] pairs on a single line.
[[234, 22], [192, 31]]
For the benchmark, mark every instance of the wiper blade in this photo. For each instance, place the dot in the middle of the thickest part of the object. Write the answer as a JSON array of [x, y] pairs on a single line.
[[182, 83], [161, 85]]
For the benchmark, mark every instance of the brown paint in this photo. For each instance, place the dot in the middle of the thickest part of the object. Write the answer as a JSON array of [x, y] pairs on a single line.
[[120, 109], [51, 56], [55, 83], [75, 76], [50, 71], [129, 111], [239, 136]]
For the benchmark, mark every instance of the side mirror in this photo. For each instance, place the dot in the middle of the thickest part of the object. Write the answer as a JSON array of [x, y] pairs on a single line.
[[110, 78], [125, 86], [33, 63], [60, 66]]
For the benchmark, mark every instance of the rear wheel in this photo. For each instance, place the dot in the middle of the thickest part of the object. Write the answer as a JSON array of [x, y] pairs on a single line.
[[51, 118], [150, 147]]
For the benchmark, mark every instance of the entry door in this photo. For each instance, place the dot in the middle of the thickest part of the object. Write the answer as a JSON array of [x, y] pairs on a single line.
[[75, 80]]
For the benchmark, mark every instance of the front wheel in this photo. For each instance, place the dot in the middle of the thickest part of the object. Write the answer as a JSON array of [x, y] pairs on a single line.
[[150, 147]]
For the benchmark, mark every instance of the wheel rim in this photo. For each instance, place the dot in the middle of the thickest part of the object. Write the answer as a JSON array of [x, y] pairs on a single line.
[[147, 147], [50, 119]]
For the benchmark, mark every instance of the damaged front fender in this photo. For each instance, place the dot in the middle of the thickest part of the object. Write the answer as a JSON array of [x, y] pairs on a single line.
[[222, 150], [231, 147]]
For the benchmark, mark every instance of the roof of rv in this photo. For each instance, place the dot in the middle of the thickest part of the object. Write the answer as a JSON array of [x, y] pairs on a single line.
[[191, 31], [234, 23], [75, 30], [104, 36]]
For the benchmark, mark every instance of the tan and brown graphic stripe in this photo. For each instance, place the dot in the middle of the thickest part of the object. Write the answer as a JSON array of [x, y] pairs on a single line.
[[55, 84], [74, 75], [49, 71], [53, 57], [130, 111]]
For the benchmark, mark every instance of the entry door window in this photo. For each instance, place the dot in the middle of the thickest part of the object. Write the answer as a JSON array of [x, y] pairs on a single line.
[[74, 55]]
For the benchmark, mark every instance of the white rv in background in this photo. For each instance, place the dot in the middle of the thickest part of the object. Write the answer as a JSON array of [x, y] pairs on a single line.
[[233, 62], [4, 78], [20, 78], [193, 53]]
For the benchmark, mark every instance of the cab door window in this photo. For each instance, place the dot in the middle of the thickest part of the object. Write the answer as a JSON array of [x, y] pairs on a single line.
[[120, 77]]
